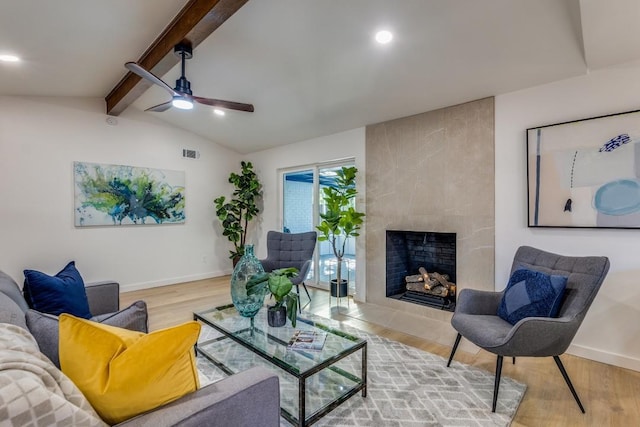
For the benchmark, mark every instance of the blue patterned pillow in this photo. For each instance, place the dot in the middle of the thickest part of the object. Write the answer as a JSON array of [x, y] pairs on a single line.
[[62, 293], [531, 294]]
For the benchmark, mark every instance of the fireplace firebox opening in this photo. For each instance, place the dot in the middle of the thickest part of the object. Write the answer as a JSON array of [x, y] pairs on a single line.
[[421, 268]]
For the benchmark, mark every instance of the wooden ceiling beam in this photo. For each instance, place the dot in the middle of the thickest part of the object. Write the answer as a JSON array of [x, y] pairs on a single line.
[[195, 22]]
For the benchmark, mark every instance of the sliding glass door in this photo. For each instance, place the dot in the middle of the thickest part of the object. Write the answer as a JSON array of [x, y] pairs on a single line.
[[301, 204]]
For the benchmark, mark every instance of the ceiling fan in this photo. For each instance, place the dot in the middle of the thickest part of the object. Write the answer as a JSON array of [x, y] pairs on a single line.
[[181, 95]]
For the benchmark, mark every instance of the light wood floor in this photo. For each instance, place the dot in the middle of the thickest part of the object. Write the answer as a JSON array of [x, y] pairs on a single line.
[[611, 395]]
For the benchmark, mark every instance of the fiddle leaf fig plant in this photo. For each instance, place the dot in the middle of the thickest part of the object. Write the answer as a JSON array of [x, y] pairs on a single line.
[[340, 219], [278, 283], [235, 213]]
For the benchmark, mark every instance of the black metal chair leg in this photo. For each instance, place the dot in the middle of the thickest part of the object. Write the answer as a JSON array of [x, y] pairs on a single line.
[[299, 301], [497, 384], [306, 290], [568, 381], [453, 350], [514, 360]]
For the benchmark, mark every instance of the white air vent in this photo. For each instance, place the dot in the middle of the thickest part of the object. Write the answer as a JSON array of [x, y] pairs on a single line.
[[190, 154]]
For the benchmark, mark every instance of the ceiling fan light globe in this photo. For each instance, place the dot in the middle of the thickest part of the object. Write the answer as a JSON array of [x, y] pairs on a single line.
[[384, 36], [9, 58], [181, 103]]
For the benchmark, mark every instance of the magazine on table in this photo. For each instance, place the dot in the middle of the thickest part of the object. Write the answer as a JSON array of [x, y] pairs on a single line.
[[307, 340]]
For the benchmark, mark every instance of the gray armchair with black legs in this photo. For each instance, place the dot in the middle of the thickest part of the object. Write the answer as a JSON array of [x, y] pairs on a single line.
[[520, 329], [291, 250]]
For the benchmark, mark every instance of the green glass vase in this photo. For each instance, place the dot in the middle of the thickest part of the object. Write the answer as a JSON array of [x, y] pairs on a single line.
[[247, 267]]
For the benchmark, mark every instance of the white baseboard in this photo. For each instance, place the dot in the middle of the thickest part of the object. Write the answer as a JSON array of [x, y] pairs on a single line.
[[604, 357], [172, 281]]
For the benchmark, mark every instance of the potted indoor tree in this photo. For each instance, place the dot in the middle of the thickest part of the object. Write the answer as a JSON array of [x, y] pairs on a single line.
[[340, 220], [278, 284], [235, 213]]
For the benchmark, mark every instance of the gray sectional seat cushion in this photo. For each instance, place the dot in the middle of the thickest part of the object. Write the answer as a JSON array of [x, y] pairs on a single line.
[[249, 398], [12, 303], [10, 288], [44, 327], [10, 312]]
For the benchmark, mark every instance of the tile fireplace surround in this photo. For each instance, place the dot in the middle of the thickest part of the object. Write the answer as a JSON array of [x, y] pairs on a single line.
[[432, 171]]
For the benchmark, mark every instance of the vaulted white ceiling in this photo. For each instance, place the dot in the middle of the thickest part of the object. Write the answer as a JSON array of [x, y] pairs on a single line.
[[76, 47], [311, 68]]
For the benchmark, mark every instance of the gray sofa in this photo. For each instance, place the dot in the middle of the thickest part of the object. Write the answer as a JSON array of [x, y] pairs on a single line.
[[247, 399]]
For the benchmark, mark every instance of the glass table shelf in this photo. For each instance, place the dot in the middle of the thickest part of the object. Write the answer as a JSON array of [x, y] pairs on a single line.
[[312, 382]]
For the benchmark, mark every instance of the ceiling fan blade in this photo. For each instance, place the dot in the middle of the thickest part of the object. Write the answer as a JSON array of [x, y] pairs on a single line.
[[148, 75], [160, 107], [224, 104]]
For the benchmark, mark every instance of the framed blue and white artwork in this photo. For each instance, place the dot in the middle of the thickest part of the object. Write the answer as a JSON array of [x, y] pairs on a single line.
[[112, 195], [585, 173]]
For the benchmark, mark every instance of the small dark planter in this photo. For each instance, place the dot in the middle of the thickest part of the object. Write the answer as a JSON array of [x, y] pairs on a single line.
[[276, 316], [339, 291], [235, 260]]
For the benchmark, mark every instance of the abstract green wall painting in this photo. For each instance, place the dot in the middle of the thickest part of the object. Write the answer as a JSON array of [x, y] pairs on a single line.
[[127, 195]]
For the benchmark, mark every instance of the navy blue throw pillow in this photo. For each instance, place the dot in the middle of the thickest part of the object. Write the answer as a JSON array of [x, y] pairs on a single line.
[[531, 294], [62, 293]]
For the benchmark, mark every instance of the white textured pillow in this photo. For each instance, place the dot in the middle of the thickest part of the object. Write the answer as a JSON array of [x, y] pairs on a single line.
[[33, 391]]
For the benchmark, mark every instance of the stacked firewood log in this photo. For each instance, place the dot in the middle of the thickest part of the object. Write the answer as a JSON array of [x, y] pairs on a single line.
[[430, 283]]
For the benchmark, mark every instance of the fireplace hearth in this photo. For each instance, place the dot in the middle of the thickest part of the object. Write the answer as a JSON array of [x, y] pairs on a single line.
[[421, 268]]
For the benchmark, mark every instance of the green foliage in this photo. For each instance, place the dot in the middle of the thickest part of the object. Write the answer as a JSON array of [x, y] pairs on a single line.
[[279, 285], [340, 218], [235, 213]]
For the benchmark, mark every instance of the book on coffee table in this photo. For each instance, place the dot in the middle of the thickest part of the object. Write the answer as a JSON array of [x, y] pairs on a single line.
[[307, 340]]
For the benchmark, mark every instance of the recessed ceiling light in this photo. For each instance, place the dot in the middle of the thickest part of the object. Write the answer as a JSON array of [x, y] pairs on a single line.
[[384, 36], [219, 112], [9, 58]]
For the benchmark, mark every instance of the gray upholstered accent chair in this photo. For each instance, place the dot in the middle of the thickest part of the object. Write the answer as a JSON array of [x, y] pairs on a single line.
[[286, 250], [475, 317]]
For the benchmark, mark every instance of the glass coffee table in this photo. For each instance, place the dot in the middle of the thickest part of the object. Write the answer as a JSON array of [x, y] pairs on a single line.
[[312, 382]]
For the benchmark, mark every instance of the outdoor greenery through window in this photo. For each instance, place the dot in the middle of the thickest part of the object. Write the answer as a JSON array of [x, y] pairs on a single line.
[[302, 204]]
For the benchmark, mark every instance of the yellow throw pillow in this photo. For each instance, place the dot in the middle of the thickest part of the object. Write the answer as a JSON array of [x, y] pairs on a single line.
[[125, 373]]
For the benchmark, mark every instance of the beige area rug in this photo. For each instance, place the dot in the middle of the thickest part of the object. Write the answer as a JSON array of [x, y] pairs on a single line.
[[406, 387]]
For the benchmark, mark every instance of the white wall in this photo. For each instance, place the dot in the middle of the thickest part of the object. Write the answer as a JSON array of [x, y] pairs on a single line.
[[39, 140], [611, 330], [267, 163]]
